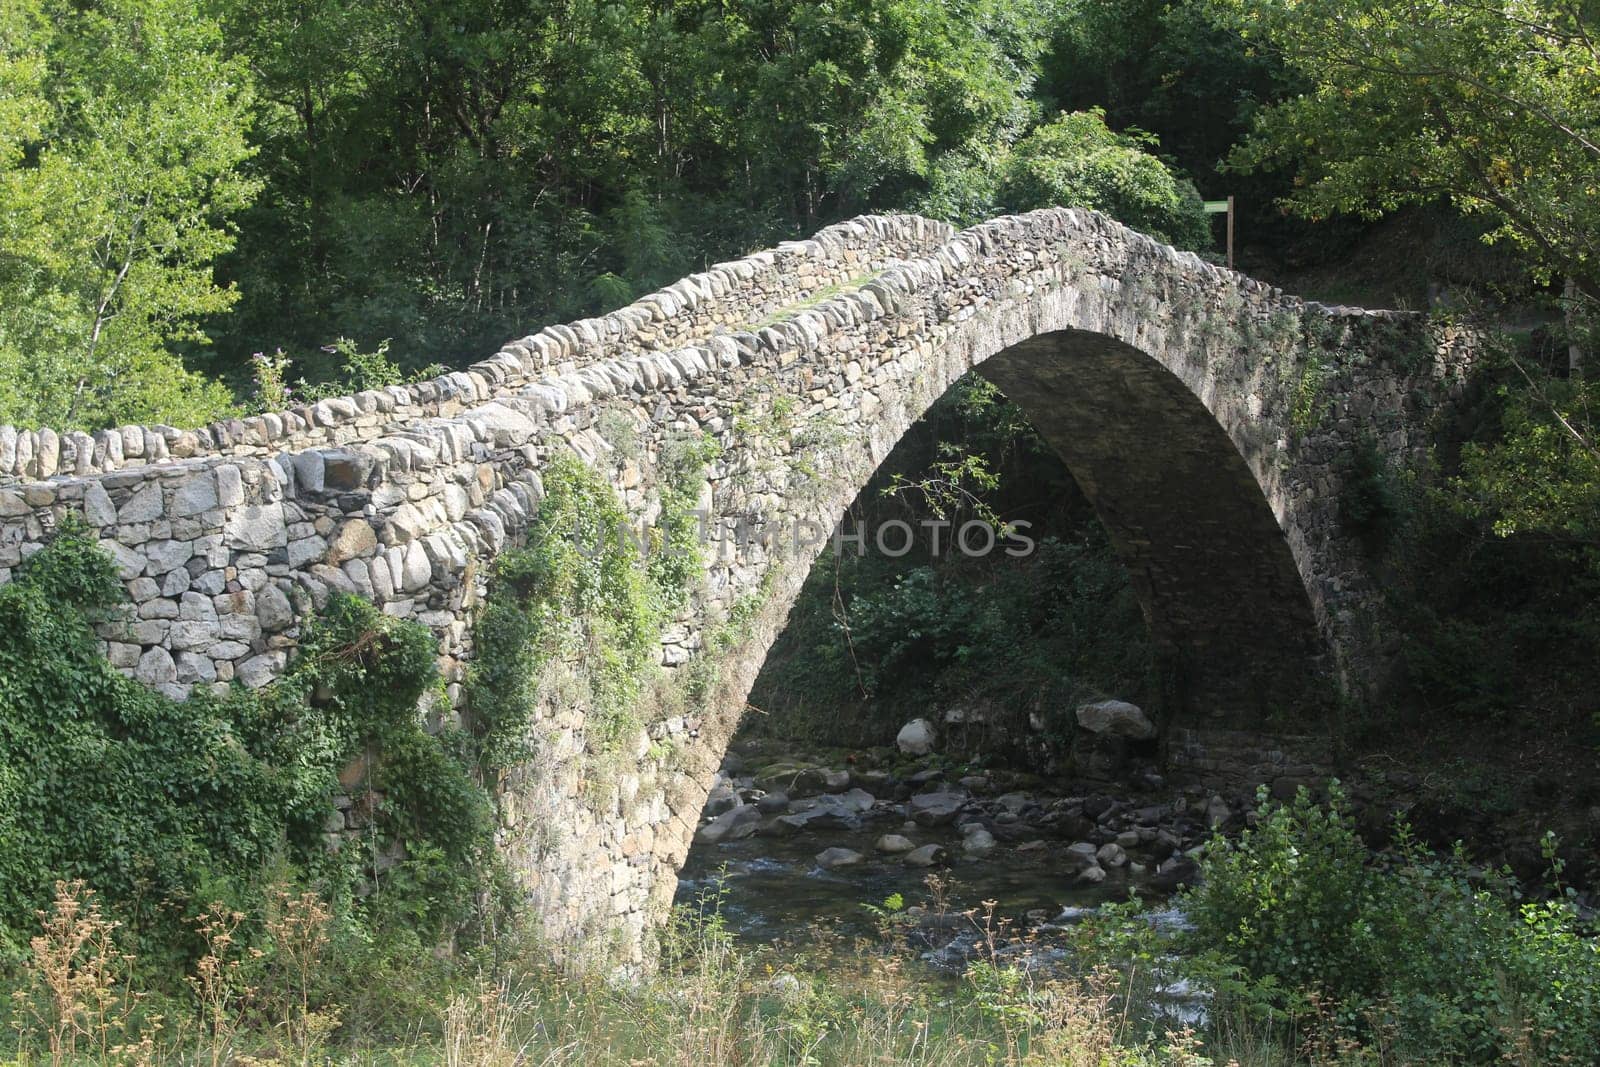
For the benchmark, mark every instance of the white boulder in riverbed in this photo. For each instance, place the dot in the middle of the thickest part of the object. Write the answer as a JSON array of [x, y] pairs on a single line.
[[926, 856], [916, 738], [1116, 718]]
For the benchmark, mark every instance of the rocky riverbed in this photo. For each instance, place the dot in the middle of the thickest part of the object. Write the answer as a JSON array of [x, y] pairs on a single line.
[[797, 845]]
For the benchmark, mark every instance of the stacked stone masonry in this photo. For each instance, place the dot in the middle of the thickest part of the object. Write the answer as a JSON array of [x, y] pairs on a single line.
[[1211, 419]]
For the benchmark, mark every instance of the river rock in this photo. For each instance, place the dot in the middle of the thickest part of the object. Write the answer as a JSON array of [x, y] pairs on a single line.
[[1014, 802], [1083, 850], [831, 859], [878, 783], [820, 813], [1117, 718], [1111, 855], [1097, 805], [1151, 815], [773, 803], [1092, 875], [894, 843], [723, 827], [721, 799], [854, 802], [858, 800], [978, 843], [926, 856], [935, 809], [916, 738]]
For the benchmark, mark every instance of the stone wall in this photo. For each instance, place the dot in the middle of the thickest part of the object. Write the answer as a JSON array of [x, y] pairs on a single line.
[[1241, 760], [1210, 418]]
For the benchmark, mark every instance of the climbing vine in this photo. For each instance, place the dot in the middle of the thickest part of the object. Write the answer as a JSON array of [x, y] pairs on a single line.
[[575, 618], [676, 559], [576, 594], [1307, 402], [152, 800]]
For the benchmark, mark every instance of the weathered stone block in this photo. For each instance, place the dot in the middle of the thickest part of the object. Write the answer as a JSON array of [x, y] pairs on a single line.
[[156, 667], [257, 527]]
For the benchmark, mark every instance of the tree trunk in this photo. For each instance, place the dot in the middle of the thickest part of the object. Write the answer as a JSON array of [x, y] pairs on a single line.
[[1574, 349]]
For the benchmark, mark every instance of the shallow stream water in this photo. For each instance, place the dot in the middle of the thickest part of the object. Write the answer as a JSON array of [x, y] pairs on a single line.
[[772, 889]]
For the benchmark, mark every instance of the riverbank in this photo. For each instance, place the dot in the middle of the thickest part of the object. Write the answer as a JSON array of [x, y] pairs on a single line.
[[1298, 946]]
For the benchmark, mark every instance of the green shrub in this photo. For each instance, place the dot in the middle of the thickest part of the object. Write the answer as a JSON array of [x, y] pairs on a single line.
[[1292, 899], [1076, 160], [151, 800], [1454, 967], [140, 796]]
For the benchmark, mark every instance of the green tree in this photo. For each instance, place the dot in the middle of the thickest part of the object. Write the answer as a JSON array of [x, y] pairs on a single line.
[[122, 128], [437, 173], [452, 173], [1494, 105], [1541, 475], [1075, 160]]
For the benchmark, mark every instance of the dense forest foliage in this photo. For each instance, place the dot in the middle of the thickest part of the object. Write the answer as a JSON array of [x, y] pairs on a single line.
[[204, 206], [196, 185], [210, 207]]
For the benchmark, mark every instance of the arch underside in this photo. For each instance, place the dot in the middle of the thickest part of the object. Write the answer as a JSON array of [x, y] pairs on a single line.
[[1227, 609]]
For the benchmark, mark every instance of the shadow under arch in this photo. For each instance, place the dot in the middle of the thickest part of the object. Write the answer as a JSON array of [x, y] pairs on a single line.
[[1228, 612]]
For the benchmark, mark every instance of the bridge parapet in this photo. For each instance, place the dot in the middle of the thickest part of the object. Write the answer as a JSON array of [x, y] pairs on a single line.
[[726, 296]]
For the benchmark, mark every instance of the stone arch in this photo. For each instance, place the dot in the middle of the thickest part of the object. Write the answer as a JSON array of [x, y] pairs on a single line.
[[1210, 417]]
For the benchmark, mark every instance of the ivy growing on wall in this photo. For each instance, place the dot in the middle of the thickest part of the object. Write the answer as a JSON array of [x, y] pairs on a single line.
[[1308, 402], [575, 617], [675, 557], [151, 800]]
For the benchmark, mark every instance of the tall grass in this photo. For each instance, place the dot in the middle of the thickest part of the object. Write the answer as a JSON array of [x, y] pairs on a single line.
[[76, 998]]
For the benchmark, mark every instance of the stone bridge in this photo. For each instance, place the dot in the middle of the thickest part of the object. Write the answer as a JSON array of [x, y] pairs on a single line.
[[1212, 420]]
